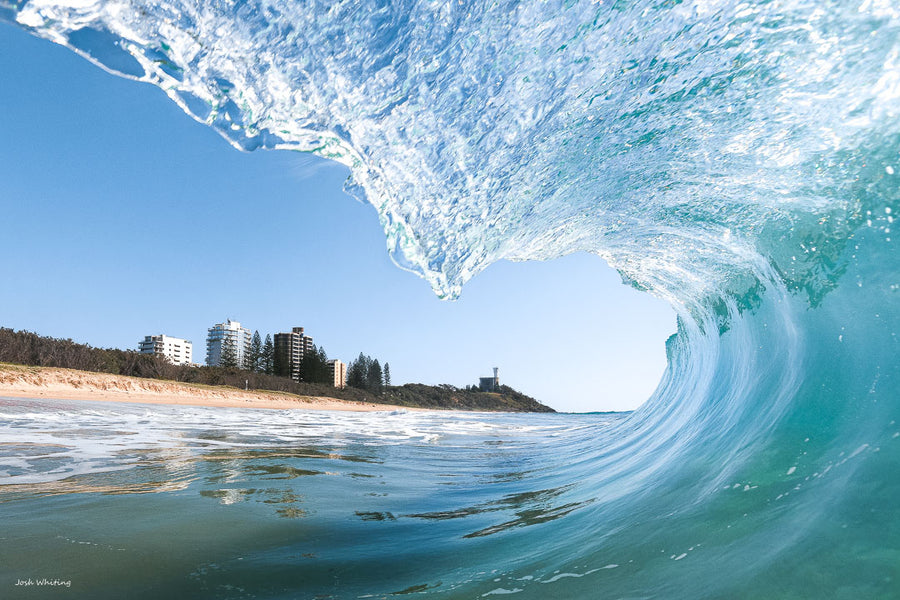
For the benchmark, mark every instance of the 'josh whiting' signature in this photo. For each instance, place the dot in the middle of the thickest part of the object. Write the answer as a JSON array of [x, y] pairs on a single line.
[[39, 582]]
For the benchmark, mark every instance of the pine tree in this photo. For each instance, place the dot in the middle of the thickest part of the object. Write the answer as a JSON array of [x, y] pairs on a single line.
[[357, 372], [374, 381], [306, 367], [314, 366], [387, 374], [267, 358], [228, 359], [324, 375], [255, 355], [281, 363]]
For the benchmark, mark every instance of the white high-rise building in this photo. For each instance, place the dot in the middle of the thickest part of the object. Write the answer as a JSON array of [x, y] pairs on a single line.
[[176, 350], [229, 332]]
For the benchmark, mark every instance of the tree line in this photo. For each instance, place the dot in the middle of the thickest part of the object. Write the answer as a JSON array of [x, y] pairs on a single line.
[[262, 358], [366, 373], [259, 359], [369, 379], [27, 348]]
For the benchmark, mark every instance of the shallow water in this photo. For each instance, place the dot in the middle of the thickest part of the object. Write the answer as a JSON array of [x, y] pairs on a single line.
[[143, 501]]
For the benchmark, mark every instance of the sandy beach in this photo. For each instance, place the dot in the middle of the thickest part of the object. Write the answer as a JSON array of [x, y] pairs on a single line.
[[67, 384]]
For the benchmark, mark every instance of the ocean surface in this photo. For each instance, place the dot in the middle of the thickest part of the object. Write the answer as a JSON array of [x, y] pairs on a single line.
[[740, 160], [147, 501]]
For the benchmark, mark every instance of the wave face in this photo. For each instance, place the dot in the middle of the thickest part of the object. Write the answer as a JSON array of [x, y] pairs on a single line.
[[739, 160]]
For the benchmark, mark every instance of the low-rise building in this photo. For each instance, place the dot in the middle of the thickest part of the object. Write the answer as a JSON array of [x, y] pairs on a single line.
[[176, 350], [490, 384]]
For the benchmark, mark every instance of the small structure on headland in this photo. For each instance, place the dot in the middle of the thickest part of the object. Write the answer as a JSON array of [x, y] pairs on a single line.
[[490, 384]]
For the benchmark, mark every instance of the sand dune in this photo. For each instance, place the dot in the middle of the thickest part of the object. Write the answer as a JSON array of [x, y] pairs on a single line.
[[68, 384]]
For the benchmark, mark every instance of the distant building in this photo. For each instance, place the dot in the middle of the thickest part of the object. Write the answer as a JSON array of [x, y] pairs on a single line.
[[338, 373], [227, 332], [490, 384], [290, 348], [176, 350]]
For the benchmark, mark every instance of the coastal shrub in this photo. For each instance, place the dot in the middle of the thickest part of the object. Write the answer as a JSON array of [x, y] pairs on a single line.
[[31, 349]]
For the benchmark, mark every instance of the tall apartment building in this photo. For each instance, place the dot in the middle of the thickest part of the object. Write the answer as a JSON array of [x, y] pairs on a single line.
[[176, 350], [289, 351], [338, 372], [229, 332]]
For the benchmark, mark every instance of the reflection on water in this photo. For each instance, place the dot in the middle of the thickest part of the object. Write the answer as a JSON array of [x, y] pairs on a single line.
[[286, 501], [216, 502], [87, 448], [529, 508]]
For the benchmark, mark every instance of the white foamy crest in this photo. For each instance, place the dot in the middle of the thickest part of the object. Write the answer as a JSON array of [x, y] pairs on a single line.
[[527, 131]]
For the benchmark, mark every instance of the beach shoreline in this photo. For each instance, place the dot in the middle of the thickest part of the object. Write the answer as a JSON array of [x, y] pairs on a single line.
[[70, 384]]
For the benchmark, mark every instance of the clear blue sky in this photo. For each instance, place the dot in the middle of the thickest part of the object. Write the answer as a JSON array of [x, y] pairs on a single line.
[[123, 217]]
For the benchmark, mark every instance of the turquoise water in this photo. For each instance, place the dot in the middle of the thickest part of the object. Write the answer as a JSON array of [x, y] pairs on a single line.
[[739, 160], [149, 501]]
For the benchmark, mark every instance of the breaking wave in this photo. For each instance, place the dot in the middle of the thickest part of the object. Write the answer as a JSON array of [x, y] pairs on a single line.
[[740, 160]]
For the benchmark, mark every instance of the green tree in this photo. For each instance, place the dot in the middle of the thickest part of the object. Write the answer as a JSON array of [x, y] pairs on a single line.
[[255, 355], [387, 374], [374, 380], [324, 374], [314, 366], [267, 358], [228, 358], [281, 362], [357, 371]]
